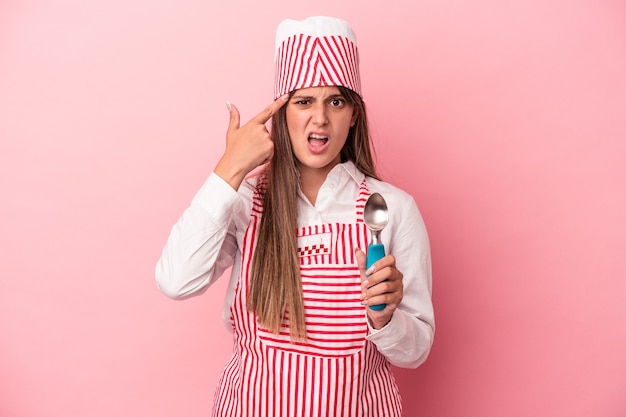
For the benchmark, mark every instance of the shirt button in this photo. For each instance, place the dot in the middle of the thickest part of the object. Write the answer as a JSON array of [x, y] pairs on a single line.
[[331, 186]]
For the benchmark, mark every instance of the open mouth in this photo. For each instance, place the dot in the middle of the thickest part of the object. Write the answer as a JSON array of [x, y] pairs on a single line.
[[317, 140]]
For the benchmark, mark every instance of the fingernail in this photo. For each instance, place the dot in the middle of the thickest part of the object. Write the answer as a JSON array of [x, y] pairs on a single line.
[[371, 270], [228, 105], [284, 97]]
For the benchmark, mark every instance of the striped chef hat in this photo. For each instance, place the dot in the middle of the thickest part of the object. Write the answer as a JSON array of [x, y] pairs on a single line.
[[317, 51]]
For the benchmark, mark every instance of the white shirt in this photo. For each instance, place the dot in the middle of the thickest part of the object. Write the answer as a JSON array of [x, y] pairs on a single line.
[[208, 237]]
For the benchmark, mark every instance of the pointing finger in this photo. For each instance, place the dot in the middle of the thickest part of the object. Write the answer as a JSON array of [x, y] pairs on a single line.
[[271, 110]]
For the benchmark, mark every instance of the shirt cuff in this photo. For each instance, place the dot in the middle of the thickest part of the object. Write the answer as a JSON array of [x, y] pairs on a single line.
[[390, 334]]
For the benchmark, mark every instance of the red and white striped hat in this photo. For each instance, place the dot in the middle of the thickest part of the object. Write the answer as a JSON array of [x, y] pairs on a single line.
[[317, 51]]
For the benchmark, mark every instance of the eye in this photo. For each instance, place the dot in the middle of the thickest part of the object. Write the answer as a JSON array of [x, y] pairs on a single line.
[[302, 102], [337, 102]]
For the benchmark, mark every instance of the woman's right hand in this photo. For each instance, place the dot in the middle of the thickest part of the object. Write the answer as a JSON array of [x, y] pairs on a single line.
[[247, 146]]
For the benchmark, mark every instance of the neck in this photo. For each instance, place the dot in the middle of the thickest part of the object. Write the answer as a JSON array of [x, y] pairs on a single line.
[[311, 180]]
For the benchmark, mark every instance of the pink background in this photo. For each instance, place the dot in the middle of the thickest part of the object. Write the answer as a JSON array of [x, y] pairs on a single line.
[[505, 120]]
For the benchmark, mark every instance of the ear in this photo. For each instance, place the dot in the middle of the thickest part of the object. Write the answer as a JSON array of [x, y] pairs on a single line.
[[355, 116]]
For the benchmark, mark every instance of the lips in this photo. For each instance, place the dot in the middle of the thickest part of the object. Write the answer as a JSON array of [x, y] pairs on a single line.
[[317, 141]]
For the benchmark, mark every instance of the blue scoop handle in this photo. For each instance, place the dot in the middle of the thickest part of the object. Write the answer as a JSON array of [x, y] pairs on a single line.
[[375, 252]]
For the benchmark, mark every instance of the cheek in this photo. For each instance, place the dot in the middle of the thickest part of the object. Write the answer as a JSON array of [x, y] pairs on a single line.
[[294, 122], [291, 122], [345, 124]]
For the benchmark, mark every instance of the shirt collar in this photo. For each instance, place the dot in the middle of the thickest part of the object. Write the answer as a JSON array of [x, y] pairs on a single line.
[[347, 168]]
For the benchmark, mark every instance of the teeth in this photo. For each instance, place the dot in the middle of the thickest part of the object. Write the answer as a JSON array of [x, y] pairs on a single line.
[[315, 136]]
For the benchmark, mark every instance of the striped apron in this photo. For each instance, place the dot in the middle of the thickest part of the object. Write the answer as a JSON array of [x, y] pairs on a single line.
[[336, 371]]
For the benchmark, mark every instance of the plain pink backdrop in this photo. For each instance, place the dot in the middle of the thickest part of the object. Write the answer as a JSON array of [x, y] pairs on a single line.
[[504, 119]]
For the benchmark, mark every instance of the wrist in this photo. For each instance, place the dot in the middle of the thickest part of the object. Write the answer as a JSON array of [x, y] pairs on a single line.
[[378, 323], [229, 173]]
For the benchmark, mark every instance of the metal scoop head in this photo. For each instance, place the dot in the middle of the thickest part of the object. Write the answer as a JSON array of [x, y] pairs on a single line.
[[376, 215]]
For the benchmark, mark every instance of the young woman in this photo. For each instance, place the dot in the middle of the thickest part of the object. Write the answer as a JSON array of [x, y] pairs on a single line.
[[305, 340]]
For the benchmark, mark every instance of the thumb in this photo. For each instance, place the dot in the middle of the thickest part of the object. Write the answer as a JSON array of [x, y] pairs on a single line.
[[233, 123], [361, 261]]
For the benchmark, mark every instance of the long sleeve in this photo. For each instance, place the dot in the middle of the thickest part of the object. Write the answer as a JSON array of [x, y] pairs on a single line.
[[208, 237], [406, 340], [202, 244]]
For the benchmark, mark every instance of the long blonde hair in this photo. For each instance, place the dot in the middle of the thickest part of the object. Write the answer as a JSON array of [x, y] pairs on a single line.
[[275, 291]]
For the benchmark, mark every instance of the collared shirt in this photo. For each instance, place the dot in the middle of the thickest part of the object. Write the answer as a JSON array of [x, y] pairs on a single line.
[[207, 238]]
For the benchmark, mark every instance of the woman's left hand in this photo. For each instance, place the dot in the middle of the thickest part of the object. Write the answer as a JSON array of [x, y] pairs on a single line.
[[380, 284]]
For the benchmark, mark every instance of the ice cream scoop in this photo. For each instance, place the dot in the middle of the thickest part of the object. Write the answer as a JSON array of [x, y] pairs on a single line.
[[376, 217]]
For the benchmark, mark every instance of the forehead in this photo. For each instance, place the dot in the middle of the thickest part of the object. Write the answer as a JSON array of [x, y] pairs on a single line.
[[318, 92]]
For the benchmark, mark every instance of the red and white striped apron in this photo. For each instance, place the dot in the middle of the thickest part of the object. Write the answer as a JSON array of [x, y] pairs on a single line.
[[336, 372]]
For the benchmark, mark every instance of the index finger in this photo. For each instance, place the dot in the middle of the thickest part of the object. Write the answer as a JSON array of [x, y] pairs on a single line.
[[271, 110]]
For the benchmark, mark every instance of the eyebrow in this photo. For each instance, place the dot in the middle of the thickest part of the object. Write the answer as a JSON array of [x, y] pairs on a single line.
[[305, 97]]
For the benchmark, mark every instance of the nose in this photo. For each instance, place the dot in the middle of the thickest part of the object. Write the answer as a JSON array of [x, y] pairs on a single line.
[[319, 116]]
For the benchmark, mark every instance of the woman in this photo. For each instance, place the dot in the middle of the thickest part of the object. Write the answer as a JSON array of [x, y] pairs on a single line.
[[305, 340]]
